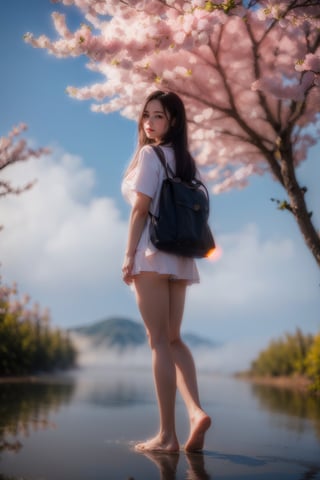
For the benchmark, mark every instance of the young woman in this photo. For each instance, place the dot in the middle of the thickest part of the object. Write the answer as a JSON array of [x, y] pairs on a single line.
[[160, 279]]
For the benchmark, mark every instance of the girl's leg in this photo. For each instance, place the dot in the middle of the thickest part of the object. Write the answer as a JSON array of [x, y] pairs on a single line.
[[186, 371], [152, 293]]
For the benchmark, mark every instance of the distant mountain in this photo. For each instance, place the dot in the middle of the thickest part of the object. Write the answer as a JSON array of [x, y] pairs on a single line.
[[112, 332], [122, 333]]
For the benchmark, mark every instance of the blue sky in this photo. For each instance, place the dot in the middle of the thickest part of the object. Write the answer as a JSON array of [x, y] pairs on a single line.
[[63, 241]]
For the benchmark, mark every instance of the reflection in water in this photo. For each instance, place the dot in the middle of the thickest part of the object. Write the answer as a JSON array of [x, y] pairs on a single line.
[[115, 389], [25, 407], [309, 473], [167, 464], [108, 409], [297, 405], [197, 469]]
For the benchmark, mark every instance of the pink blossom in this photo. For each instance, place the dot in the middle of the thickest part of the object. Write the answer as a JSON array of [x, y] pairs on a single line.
[[179, 37], [237, 72], [188, 22], [198, 3], [13, 150], [310, 62], [60, 25]]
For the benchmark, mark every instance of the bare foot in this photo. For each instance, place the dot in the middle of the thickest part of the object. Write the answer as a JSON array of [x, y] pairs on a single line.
[[199, 425], [157, 444]]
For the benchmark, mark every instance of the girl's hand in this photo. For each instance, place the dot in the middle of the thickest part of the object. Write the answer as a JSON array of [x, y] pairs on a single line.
[[127, 269], [138, 218]]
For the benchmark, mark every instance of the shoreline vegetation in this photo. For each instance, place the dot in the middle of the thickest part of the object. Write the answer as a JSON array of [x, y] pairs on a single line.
[[28, 343], [30, 348], [297, 382], [291, 361]]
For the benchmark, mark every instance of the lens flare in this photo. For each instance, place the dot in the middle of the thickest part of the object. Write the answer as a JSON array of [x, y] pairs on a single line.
[[214, 254]]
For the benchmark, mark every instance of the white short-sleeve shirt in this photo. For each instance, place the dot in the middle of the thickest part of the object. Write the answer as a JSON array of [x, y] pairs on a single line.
[[147, 178]]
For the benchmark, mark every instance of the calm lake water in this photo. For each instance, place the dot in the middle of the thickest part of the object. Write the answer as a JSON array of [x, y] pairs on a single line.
[[84, 425]]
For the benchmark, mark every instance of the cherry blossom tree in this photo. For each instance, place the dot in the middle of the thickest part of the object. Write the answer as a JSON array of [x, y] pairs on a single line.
[[12, 151], [248, 72]]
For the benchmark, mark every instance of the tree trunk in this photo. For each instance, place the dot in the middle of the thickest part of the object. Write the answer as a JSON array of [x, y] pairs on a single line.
[[297, 204]]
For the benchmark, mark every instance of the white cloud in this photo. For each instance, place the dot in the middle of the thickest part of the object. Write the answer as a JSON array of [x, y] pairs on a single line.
[[56, 231], [64, 247], [257, 285], [61, 244]]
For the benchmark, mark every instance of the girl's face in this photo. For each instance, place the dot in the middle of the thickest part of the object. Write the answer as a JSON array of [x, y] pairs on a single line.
[[155, 121]]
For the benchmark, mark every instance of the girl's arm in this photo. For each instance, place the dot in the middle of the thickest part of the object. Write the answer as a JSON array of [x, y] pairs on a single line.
[[138, 218]]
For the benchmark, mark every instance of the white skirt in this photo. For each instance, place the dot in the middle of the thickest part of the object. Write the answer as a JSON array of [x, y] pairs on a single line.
[[179, 268]]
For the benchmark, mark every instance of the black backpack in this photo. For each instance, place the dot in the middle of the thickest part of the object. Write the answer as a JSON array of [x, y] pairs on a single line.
[[181, 227]]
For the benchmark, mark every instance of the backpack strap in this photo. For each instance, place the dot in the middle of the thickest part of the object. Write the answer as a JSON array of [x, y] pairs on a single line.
[[196, 183], [159, 152]]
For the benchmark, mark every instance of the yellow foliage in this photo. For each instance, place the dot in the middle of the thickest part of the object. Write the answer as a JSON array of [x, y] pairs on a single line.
[[293, 354]]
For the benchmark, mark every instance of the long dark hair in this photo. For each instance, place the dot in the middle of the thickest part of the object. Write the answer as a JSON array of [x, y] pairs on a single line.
[[176, 135]]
